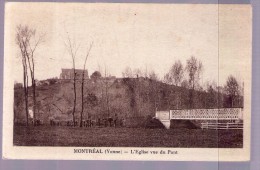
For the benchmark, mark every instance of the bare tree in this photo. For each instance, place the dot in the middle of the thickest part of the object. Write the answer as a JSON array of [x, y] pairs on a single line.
[[127, 73], [177, 72], [102, 93], [153, 76], [106, 92], [28, 43], [212, 95], [82, 84], [167, 78], [31, 62], [154, 87], [175, 76], [73, 49], [194, 69], [137, 73], [232, 89], [20, 33]]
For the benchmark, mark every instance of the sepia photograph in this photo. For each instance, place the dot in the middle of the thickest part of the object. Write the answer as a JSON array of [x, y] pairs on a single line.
[[127, 81]]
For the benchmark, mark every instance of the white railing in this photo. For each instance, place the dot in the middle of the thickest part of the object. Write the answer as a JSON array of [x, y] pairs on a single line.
[[208, 125], [207, 114]]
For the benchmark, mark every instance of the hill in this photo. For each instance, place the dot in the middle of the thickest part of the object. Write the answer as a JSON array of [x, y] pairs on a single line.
[[133, 99]]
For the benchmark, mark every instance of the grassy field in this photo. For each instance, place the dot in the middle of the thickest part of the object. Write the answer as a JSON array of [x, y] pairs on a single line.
[[126, 137]]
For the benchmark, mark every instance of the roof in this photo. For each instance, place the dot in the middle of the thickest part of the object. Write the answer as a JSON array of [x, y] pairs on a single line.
[[68, 70]]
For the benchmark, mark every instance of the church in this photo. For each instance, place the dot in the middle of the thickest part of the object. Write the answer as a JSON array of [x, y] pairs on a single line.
[[69, 74]]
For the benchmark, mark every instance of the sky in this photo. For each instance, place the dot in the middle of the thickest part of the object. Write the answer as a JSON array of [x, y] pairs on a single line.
[[145, 36]]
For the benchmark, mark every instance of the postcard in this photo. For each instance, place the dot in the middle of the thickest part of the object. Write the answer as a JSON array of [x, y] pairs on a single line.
[[127, 81]]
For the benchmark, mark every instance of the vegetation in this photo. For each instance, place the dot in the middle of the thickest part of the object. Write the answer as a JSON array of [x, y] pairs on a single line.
[[27, 41], [137, 95], [126, 137], [232, 89], [132, 99], [128, 98]]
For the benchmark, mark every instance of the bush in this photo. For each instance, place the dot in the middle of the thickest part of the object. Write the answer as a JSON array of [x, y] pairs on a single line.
[[187, 124], [153, 123]]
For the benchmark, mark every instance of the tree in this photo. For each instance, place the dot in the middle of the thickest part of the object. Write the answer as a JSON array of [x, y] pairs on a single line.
[[194, 69], [175, 76], [137, 73], [212, 95], [167, 78], [232, 89], [176, 73], [91, 100], [106, 92], [73, 49], [28, 42], [19, 41], [154, 87], [96, 75], [185, 84], [127, 73], [82, 84], [153, 76]]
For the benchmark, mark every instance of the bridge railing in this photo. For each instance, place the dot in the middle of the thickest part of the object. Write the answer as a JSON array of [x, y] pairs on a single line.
[[216, 126], [207, 114]]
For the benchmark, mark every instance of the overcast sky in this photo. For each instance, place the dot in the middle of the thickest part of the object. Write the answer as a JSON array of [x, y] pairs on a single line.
[[151, 36]]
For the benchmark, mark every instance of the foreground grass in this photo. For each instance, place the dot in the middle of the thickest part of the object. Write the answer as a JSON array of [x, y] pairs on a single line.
[[126, 137]]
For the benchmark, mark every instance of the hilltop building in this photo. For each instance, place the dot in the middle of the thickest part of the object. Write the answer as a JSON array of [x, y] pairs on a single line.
[[69, 74]]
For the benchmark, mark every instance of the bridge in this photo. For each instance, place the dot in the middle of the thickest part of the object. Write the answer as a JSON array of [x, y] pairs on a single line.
[[199, 114]]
